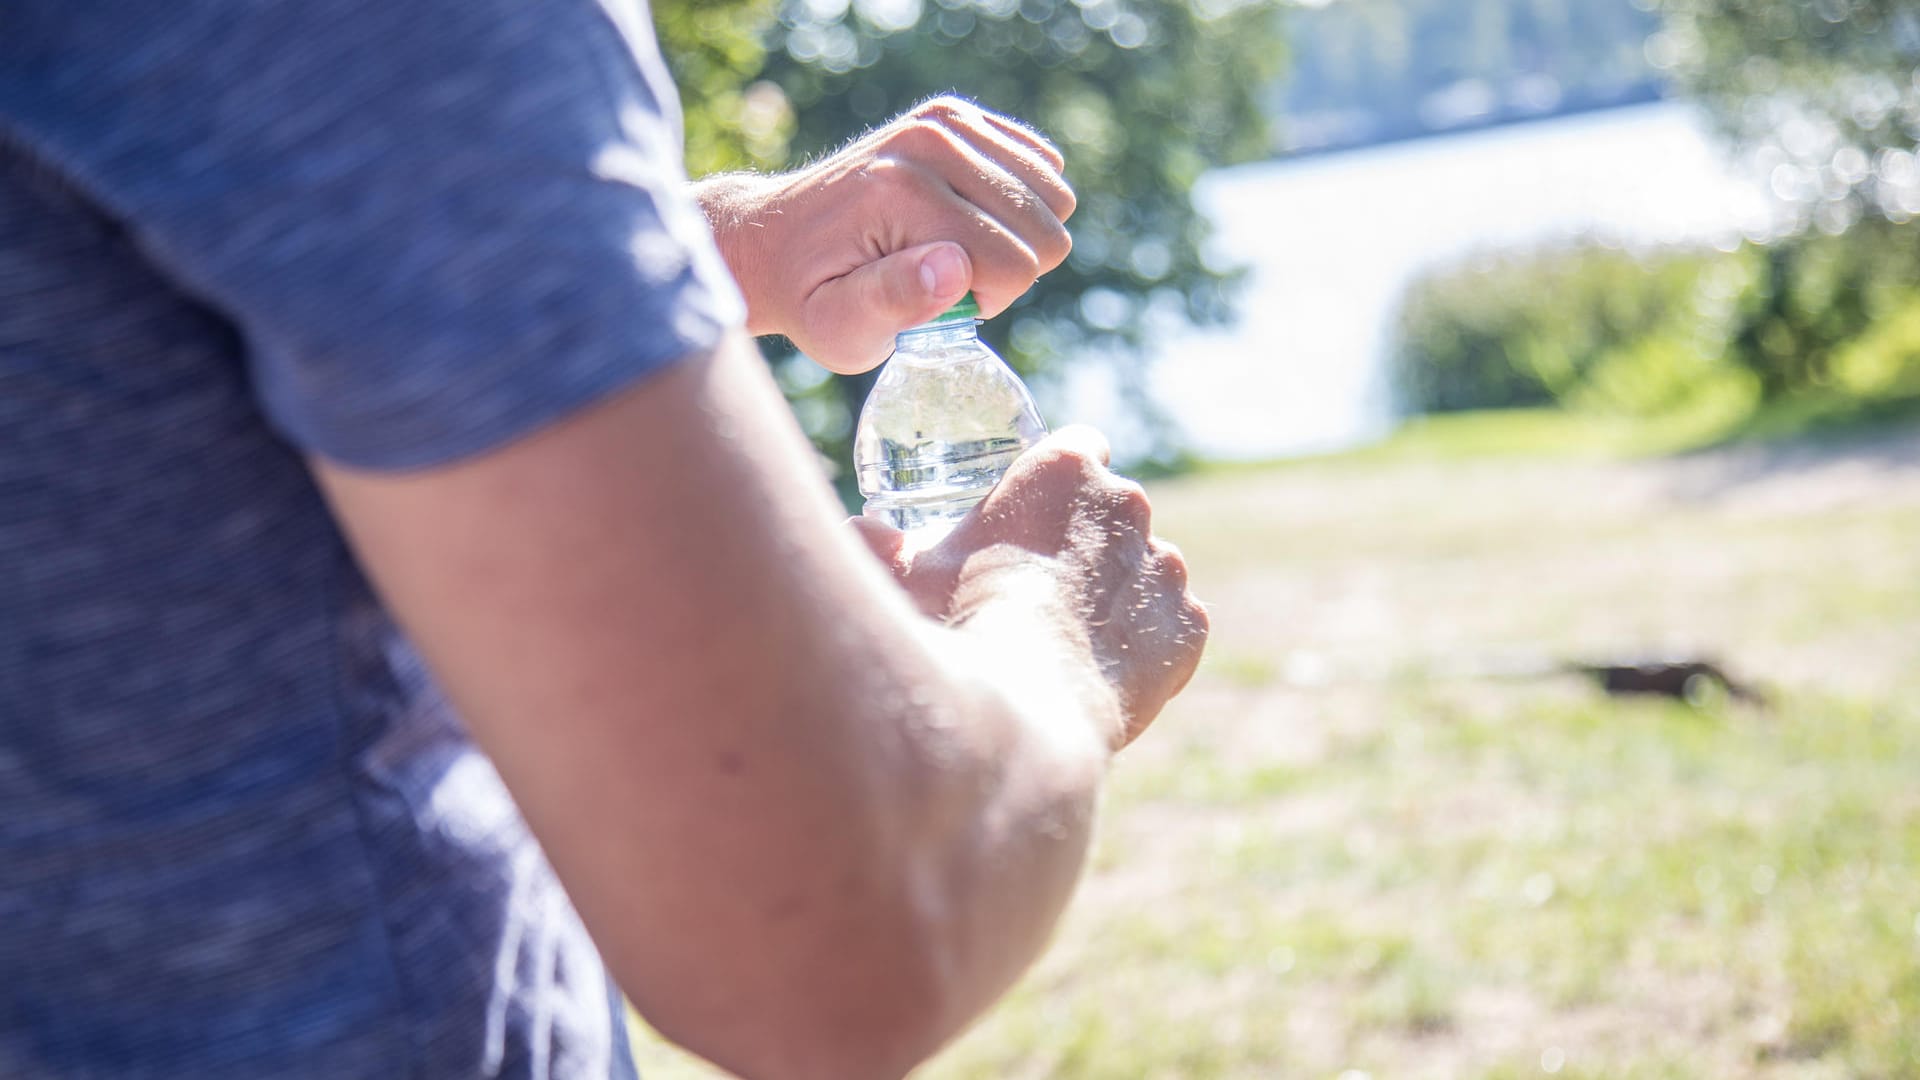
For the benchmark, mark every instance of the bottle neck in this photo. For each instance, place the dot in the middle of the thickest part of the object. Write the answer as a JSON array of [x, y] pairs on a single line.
[[932, 336]]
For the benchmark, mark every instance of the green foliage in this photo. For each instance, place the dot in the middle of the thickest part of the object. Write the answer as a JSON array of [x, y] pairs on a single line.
[[1365, 70], [715, 49], [1591, 327], [1821, 96], [1141, 95], [1818, 296], [1575, 323]]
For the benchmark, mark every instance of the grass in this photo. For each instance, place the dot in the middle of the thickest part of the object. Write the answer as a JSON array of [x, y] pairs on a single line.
[[1512, 433], [1559, 434], [1360, 846]]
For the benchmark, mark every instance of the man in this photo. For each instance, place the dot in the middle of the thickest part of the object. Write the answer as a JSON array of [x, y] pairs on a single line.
[[321, 322]]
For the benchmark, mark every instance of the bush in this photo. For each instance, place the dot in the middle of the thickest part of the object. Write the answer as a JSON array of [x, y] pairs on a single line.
[[1549, 326], [1589, 326]]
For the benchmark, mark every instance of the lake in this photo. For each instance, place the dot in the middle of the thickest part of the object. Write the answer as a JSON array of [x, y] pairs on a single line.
[[1332, 241]]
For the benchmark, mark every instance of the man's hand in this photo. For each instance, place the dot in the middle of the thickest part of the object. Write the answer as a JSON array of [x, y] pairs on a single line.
[[1061, 509], [894, 229]]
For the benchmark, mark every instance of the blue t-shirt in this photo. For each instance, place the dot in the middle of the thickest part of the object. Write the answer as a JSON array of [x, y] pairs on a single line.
[[241, 834]]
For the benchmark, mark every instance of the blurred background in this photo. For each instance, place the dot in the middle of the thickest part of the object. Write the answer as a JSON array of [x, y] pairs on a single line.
[[1534, 386]]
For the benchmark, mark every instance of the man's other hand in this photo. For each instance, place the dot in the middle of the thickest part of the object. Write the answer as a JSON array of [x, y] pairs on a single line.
[[1061, 509], [893, 230]]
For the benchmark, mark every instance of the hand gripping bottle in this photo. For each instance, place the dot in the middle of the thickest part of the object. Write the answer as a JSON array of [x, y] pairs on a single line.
[[942, 423]]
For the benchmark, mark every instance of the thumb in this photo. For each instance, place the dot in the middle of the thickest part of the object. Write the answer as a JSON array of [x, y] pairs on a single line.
[[852, 319], [886, 542]]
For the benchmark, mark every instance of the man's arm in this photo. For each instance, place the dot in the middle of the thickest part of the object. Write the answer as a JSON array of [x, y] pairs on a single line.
[[813, 832]]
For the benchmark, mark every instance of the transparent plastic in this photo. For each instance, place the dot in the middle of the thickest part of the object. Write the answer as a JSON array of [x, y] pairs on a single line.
[[945, 419]]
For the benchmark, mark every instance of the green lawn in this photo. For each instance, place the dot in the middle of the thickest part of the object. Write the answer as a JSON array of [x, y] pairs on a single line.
[[1378, 839]]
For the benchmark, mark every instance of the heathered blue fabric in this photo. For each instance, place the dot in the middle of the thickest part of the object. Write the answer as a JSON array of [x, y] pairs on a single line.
[[241, 833]]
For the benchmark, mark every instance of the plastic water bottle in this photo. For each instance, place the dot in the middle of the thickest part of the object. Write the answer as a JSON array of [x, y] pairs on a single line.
[[942, 423]]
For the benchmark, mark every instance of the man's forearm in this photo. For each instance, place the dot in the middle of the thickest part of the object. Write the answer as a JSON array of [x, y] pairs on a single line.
[[1012, 812], [720, 717]]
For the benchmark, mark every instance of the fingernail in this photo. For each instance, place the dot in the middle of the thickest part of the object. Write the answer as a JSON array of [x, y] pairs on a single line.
[[943, 272]]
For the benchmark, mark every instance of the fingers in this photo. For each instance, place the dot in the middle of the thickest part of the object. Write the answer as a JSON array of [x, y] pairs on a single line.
[[1005, 145], [1060, 475], [1017, 224], [927, 577], [1078, 439], [1028, 137], [1130, 591], [1051, 493], [1010, 200], [887, 543], [1004, 264], [891, 230], [1170, 565], [848, 321]]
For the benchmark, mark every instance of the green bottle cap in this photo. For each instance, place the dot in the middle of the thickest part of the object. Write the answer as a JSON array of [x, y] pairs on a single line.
[[967, 308]]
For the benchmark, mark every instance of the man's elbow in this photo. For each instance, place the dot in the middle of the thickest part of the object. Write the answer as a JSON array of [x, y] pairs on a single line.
[[887, 1044], [875, 1011]]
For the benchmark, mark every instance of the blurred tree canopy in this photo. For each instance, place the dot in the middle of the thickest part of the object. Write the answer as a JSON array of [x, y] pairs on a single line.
[[1820, 96], [1367, 70], [1822, 99], [716, 49], [1141, 95]]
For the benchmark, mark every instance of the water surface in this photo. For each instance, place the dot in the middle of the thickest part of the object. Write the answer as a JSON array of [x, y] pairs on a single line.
[[1333, 240]]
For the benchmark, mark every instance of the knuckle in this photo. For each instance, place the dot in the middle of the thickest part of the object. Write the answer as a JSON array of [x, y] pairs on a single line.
[[887, 170], [1019, 263], [1130, 502], [925, 135], [896, 177], [1199, 625], [1170, 564], [1071, 464], [1008, 266], [1170, 555], [1055, 248], [943, 107]]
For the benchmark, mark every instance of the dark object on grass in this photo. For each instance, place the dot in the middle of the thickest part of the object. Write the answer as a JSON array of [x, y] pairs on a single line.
[[1682, 680], [1695, 681]]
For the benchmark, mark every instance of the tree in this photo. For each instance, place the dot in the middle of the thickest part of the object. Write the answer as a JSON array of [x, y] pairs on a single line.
[[1142, 95], [1819, 95], [1823, 99], [715, 49]]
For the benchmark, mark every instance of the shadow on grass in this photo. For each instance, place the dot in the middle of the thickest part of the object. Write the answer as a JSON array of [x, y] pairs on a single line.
[[1825, 417]]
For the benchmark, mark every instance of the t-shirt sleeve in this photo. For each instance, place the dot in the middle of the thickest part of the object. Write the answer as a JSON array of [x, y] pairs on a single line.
[[437, 225]]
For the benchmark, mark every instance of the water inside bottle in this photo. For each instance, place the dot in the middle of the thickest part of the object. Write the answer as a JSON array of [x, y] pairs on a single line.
[[931, 484], [945, 419]]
